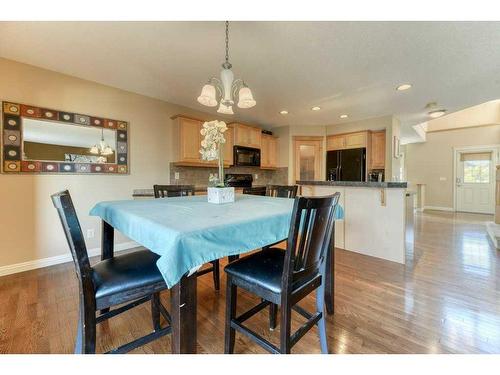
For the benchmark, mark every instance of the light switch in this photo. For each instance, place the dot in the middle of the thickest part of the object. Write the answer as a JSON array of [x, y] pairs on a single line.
[[442, 178]]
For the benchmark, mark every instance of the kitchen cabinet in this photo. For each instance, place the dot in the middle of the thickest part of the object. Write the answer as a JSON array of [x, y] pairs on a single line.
[[247, 136], [188, 140], [346, 141], [187, 143], [269, 152], [378, 150]]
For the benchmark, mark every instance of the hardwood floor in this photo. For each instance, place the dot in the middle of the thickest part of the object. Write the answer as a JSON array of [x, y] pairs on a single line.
[[445, 300]]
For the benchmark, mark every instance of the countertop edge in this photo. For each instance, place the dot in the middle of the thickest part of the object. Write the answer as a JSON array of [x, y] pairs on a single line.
[[388, 184]]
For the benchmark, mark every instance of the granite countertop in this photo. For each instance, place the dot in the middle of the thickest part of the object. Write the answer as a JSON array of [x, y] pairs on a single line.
[[369, 184]]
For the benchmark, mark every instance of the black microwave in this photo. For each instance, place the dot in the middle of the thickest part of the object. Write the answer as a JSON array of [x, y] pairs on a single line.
[[246, 156]]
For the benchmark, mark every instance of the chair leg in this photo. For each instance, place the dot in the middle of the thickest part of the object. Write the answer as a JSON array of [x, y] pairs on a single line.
[[155, 311], [285, 328], [86, 332], [229, 333], [320, 307], [216, 274], [273, 316]]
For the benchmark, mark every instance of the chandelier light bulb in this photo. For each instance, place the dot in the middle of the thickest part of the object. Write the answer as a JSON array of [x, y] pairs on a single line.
[[246, 98], [208, 96], [224, 109]]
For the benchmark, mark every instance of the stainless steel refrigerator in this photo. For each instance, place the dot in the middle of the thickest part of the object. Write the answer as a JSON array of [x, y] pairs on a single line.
[[346, 165]]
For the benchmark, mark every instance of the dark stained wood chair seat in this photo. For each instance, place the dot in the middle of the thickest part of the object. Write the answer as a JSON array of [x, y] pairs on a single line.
[[129, 274], [261, 274]]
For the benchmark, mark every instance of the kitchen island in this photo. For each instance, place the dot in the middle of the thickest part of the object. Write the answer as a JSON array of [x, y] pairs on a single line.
[[375, 221]]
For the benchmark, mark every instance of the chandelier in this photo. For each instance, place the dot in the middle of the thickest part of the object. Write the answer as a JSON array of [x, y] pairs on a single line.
[[102, 148], [226, 88]]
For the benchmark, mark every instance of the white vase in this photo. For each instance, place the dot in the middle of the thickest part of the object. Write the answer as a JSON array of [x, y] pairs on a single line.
[[220, 195]]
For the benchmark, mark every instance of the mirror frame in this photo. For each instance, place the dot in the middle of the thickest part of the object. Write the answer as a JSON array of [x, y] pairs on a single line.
[[12, 141]]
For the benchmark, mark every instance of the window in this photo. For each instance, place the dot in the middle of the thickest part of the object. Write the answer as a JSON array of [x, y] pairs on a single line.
[[477, 167]]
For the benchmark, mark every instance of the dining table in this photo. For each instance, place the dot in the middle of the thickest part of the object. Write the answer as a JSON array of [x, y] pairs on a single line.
[[187, 232]]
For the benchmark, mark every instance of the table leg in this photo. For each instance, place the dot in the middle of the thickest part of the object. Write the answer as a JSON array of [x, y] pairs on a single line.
[[107, 241], [107, 246], [183, 310], [330, 275]]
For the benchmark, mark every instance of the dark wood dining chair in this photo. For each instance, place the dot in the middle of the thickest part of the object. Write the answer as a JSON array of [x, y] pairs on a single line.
[[282, 191], [130, 279], [166, 191], [278, 191], [285, 277]]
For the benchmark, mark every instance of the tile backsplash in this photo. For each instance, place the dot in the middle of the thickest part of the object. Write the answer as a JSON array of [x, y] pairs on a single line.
[[198, 176]]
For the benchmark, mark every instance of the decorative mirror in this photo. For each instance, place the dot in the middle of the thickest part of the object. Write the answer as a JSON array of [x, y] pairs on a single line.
[[41, 140]]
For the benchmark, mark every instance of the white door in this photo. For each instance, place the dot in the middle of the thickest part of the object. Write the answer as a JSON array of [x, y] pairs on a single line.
[[476, 180]]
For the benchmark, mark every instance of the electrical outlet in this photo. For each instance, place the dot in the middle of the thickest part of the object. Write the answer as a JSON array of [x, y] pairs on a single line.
[[256, 176], [176, 175], [90, 233], [442, 178]]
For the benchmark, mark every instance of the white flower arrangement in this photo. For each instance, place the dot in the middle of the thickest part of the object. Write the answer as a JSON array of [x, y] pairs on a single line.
[[212, 145]]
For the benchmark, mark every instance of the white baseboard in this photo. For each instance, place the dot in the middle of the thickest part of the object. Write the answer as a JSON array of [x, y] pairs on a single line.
[[437, 208], [58, 259]]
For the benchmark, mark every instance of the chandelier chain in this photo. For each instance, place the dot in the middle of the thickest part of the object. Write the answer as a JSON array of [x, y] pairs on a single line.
[[227, 41]]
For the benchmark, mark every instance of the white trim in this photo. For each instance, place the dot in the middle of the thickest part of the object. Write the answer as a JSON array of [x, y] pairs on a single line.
[[494, 233], [58, 259], [456, 150], [438, 208]]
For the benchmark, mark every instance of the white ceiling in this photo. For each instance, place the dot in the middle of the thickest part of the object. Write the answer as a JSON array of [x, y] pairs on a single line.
[[344, 67]]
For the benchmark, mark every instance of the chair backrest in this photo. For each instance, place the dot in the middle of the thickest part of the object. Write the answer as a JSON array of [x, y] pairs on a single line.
[[309, 237], [254, 190], [162, 191], [63, 203], [282, 191]]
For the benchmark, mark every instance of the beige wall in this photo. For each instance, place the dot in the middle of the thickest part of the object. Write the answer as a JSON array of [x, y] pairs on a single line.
[[427, 162], [29, 227]]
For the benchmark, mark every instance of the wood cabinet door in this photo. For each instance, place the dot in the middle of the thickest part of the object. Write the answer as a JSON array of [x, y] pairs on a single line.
[[264, 151], [335, 142], [356, 140], [273, 152], [247, 136], [378, 150], [189, 140], [255, 137], [228, 146]]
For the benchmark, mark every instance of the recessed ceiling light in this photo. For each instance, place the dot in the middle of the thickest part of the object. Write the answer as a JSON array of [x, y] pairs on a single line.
[[437, 113], [284, 112], [315, 108], [403, 87], [344, 116]]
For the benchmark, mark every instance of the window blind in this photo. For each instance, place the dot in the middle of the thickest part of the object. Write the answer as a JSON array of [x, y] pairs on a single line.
[[474, 156]]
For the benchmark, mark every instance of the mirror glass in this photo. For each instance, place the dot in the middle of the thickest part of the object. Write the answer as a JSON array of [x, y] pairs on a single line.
[[53, 141]]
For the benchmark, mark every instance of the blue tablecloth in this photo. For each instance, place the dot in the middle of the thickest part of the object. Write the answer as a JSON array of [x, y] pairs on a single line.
[[188, 231]]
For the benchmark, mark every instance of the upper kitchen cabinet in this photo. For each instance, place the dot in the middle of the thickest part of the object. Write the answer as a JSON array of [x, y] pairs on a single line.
[[245, 135], [269, 152], [187, 138], [187, 143], [378, 150], [346, 141]]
